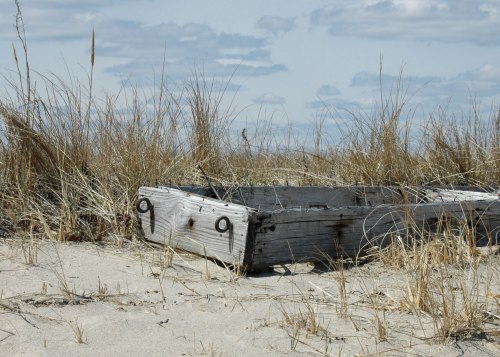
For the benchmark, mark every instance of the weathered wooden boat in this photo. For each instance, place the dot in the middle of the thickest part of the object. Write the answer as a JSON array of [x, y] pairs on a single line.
[[257, 227]]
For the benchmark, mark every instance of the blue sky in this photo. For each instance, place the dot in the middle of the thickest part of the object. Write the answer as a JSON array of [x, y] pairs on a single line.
[[288, 59]]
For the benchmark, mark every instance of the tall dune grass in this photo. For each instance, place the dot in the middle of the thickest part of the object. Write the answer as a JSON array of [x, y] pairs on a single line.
[[71, 163]]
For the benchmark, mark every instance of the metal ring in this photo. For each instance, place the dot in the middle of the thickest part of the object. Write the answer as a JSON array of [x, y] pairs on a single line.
[[150, 208], [149, 205], [226, 228]]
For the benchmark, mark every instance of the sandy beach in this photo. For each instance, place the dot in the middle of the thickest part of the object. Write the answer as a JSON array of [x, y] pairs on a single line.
[[87, 299]]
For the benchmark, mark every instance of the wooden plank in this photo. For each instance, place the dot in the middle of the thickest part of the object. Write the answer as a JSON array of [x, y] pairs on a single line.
[[447, 195], [187, 221], [295, 236], [277, 198], [272, 198]]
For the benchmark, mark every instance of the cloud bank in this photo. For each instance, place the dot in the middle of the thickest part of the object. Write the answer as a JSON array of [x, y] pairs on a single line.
[[141, 49], [423, 20]]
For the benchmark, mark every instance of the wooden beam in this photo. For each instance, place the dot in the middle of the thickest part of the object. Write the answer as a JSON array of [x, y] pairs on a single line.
[[277, 225], [312, 235], [188, 221]]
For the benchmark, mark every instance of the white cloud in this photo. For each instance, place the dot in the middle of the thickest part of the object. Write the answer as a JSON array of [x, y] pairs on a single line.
[[141, 47], [184, 46], [423, 20], [276, 25], [49, 22], [327, 91], [369, 79], [334, 104], [455, 92], [71, 4], [489, 73], [269, 99]]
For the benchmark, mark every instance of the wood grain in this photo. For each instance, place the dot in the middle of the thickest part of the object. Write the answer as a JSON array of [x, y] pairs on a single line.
[[279, 225], [187, 221], [272, 198], [312, 235]]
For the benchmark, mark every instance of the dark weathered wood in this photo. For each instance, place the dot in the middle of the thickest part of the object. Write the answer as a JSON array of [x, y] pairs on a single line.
[[278, 198], [187, 221], [277, 225], [295, 236], [275, 198]]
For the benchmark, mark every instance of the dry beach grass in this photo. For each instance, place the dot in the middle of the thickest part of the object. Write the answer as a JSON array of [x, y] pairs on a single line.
[[70, 168]]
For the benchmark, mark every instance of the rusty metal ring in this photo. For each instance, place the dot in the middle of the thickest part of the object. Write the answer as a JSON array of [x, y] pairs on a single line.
[[149, 205], [226, 228]]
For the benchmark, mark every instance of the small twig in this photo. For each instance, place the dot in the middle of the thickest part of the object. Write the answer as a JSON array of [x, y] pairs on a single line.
[[9, 333], [209, 183], [492, 314], [323, 291], [74, 295], [15, 309], [187, 287], [296, 339], [9, 306], [161, 323]]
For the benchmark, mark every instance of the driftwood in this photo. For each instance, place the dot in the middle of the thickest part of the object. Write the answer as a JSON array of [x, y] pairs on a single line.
[[257, 227], [187, 221]]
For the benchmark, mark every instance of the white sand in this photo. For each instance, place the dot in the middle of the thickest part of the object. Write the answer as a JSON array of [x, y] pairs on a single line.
[[125, 303]]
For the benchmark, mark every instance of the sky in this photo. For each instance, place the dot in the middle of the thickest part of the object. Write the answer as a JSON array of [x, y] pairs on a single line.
[[289, 61]]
